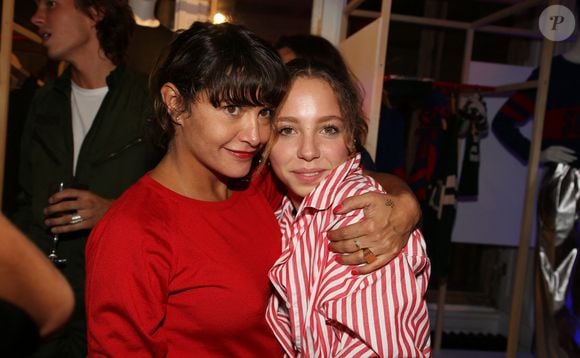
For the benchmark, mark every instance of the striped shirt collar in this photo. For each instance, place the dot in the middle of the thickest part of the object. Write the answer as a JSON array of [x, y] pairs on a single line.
[[322, 202]]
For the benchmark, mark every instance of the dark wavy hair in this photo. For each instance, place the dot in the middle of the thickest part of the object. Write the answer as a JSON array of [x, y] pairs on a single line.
[[227, 62], [346, 91], [115, 27], [319, 51], [314, 48]]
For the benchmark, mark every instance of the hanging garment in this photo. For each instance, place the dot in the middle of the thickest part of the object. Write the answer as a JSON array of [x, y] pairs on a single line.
[[432, 123], [472, 116], [562, 121], [557, 332], [391, 142], [434, 178], [440, 210], [557, 277]]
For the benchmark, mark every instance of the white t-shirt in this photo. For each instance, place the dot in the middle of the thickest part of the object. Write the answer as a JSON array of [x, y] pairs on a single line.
[[85, 104]]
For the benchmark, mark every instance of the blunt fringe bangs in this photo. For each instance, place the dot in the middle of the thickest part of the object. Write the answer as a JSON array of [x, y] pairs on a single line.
[[226, 62]]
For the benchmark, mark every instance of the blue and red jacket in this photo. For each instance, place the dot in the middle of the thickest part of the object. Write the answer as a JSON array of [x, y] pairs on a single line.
[[562, 121]]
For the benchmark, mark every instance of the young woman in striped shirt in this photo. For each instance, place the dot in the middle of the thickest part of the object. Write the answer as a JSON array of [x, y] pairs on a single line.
[[320, 308]]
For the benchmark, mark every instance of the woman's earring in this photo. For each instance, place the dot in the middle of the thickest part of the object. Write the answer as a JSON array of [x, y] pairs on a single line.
[[175, 115]]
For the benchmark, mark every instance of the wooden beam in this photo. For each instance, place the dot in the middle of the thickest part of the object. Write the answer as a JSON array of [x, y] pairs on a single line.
[[431, 21], [352, 5], [213, 9], [418, 20], [31, 35], [496, 16], [386, 6], [375, 84], [467, 53], [529, 207], [5, 54], [366, 13], [511, 31], [511, 88], [439, 316]]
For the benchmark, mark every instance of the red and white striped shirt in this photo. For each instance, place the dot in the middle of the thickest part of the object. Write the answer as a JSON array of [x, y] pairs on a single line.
[[319, 308]]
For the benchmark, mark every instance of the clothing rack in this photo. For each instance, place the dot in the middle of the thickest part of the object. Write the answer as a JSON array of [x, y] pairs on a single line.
[[466, 87], [483, 25], [462, 87], [454, 86]]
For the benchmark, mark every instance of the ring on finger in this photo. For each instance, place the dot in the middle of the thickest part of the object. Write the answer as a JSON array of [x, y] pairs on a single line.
[[368, 255], [75, 219]]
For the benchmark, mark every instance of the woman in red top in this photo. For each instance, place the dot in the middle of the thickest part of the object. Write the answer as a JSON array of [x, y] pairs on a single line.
[[178, 266]]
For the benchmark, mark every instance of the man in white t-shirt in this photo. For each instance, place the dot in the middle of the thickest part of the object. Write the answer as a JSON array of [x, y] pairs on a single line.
[[85, 129]]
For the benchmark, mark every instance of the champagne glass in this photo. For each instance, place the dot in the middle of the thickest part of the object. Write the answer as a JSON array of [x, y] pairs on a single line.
[[52, 256]]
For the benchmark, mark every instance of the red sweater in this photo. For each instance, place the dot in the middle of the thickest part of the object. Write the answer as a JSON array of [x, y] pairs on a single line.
[[169, 276]]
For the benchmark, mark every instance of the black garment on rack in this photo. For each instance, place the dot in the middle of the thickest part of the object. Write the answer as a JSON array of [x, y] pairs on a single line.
[[440, 210], [430, 135], [391, 142], [474, 113], [434, 177], [469, 181]]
